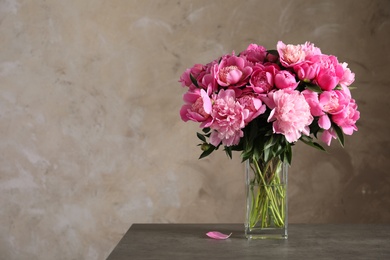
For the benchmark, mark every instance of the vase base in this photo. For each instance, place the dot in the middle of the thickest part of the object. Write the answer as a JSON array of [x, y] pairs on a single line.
[[266, 236], [266, 233]]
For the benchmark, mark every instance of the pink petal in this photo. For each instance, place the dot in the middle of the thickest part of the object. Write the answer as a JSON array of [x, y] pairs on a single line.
[[218, 235], [327, 136], [348, 130], [324, 122], [206, 101], [234, 76]]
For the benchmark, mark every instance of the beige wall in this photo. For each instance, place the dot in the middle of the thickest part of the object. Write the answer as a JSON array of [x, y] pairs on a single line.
[[90, 135]]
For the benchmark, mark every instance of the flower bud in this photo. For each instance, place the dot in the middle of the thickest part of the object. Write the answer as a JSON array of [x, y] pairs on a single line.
[[205, 146]]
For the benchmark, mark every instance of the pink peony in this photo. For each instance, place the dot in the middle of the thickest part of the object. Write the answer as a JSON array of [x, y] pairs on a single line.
[[333, 106], [197, 107], [334, 101], [228, 119], [348, 77], [331, 102], [310, 50], [330, 71], [207, 79], [327, 80], [313, 101], [284, 79], [232, 71], [346, 119], [291, 115], [254, 53], [325, 104], [262, 79], [185, 78], [290, 55], [254, 106], [306, 71], [316, 109], [203, 74]]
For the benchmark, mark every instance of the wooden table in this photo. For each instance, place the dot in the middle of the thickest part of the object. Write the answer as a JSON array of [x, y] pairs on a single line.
[[305, 241]]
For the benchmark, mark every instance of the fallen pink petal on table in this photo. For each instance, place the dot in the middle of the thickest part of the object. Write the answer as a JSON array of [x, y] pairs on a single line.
[[218, 235]]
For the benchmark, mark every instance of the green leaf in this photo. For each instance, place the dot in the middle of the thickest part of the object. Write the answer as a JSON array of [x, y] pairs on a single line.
[[228, 151], [306, 138], [313, 144], [258, 152], [277, 150], [206, 130], [270, 142], [289, 154], [260, 143], [338, 87], [201, 137], [339, 133], [314, 88], [267, 155], [248, 144], [282, 155], [194, 80], [245, 155], [319, 147], [207, 152], [314, 127], [238, 147], [273, 52]]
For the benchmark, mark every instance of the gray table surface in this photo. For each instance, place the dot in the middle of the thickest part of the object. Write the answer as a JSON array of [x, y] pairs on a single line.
[[305, 241]]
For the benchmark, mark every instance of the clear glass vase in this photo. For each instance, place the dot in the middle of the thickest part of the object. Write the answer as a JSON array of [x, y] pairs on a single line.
[[266, 199]]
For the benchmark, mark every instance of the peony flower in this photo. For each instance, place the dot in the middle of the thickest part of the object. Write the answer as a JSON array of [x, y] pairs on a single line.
[[334, 101], [203, 74], [185, 78], [262, 79], [232, 71], [284, 79], [228, 119], [254, 106], [325, 104], [346, 119], [291, 115], [206, 79], [316, 109], [290, 55], [313, 101], [327, 80], [348, 77], [254, 54], [197, 107], [330, 72], [310, 50], [306, 71]]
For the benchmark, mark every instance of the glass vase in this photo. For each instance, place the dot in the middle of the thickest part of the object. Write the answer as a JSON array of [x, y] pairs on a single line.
[[266, 199]]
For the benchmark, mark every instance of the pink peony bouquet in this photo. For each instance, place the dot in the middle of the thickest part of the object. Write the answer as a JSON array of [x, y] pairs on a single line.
[[261, 102]]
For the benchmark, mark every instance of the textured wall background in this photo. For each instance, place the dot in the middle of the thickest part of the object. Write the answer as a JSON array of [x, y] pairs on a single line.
[[90, 135]]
